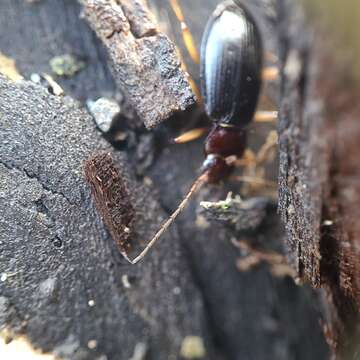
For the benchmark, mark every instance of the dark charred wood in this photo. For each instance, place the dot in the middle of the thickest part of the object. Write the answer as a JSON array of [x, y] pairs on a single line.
[[63, 269]]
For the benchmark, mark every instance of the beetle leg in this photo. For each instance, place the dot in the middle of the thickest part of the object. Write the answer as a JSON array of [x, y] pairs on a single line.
[[264, 155], [253, 164], [270, 73], [254, 180], [186, 33], [270, 56], [266, 116], [164, 21], [248, 159], [267, 151], [190, 135]]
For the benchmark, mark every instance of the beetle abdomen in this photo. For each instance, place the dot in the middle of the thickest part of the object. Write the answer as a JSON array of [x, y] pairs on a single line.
[[231, 63]]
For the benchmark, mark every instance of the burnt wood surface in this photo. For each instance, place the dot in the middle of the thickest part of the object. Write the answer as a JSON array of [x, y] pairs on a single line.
[[66, 282]]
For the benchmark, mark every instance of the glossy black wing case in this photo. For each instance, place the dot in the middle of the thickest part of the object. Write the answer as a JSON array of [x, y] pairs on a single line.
[[231, 65]]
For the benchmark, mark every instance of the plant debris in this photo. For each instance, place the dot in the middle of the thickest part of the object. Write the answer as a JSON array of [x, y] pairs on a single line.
[[140, 351], [47, 81], [8, 68], [66, 65], [53, 87], [241, 214], [192, 347]]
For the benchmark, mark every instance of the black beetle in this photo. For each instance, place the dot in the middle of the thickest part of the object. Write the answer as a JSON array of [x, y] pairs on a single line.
[[231, 65], [231, 68]]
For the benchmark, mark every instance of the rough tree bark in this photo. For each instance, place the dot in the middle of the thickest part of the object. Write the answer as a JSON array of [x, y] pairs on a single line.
[[144, 61], [319, 176], [64, 284]]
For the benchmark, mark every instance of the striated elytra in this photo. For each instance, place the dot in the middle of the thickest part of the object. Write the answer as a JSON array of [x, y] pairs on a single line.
[[231, 64]]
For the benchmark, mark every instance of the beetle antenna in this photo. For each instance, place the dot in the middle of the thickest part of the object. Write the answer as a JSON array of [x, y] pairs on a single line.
[[198, 183]]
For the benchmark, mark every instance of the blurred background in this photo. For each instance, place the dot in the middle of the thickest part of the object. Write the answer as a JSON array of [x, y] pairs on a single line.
[[339, 20]]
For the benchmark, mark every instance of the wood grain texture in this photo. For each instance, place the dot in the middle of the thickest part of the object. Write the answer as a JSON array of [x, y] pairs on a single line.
[[303, 165], [319, 177], [112, 197]]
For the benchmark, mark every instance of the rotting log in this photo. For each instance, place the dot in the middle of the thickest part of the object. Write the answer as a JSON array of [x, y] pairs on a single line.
[[319, 177], [144, 61]]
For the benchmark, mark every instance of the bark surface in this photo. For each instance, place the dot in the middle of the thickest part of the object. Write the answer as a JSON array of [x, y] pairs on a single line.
[[319, 176]]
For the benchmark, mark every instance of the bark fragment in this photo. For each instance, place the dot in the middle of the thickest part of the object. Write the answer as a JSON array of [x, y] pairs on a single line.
[[112, 197], [144, 61]]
